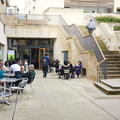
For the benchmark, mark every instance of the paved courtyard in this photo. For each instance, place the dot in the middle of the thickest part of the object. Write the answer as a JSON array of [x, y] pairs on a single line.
[[57, 99]]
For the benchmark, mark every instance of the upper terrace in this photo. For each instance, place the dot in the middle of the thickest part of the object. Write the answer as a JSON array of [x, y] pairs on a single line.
[[32, 19]]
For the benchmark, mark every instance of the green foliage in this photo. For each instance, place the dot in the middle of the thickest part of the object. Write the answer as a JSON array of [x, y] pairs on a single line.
[[108, 19], [116, 28]]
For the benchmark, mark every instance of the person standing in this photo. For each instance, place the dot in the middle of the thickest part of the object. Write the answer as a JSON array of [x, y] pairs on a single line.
[[90, 26], [44, 68], [47, 59], [78, 68]]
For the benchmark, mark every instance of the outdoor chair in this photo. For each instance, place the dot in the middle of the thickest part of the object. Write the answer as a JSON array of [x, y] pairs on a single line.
[[5, 94], [19, 90], [20, 86], [30, 82]]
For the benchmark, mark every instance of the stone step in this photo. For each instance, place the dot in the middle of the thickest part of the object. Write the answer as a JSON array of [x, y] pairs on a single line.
[[111, 76], [112, 62], [113, 52], [112, 65], [112, 56], [113, 68], [102, 44], [112, 72], [106, 89], [112, 83], [113, 59]]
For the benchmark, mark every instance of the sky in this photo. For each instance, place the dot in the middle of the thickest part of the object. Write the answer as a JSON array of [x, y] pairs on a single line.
[[18, 3]]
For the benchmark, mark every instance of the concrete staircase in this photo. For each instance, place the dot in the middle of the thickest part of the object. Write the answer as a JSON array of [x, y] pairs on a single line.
[[109, 86], [113, 62]]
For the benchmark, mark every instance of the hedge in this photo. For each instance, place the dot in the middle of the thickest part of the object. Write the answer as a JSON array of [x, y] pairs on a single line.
[[108, 19], [116, 28]]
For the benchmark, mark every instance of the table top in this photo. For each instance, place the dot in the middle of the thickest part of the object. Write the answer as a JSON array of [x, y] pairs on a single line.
[[9, 74], [8, 79]]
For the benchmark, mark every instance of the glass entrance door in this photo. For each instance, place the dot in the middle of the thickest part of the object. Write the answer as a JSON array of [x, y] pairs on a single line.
[[26, 54], [35, 57], [41, 55]]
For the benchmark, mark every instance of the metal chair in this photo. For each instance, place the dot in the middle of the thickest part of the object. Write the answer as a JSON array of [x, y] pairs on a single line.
[[30, 83], [19, 89], [5, 94], [20, 86]]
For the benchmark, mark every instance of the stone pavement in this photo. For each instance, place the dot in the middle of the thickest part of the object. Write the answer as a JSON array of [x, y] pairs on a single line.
[[57, 99]]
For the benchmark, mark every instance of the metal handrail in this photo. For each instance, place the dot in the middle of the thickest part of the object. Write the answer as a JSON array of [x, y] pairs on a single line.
[[98, 68], [101, 62]]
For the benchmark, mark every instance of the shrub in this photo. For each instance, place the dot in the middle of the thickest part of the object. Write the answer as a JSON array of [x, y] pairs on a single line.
[[108, 19], [116, 28]]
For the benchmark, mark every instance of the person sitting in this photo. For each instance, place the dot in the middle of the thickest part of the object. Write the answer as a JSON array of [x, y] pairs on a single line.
[[30, 74], [16, 69], [78, 68], [90, 26], [1, 74], [25, 64], [4, 67]]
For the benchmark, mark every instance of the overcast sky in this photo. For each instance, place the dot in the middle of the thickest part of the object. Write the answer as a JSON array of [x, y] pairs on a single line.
[[18, 3]]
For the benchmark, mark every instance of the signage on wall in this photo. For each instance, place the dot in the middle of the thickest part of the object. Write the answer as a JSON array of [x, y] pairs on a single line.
[[11, 54]]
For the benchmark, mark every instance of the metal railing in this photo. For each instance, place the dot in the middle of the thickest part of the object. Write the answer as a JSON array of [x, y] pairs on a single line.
[[100, 73], [88, 43]]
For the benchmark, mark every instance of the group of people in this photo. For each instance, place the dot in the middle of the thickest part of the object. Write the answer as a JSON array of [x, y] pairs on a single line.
[[73, 69], [20, 69]]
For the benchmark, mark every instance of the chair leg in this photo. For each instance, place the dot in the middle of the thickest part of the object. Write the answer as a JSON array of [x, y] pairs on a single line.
[[15, 105], [32, 88]]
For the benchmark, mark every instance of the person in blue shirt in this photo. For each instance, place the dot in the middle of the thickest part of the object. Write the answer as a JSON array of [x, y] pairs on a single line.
[[45, 65], [90, 26], [47, 59], [1, 72]]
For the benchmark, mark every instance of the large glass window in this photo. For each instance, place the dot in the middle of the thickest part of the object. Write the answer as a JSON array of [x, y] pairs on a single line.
[[29, 48]]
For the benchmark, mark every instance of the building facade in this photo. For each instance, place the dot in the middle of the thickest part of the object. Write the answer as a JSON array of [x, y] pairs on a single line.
[[3, 38], [39, 6], [101, 6], [116, 5]]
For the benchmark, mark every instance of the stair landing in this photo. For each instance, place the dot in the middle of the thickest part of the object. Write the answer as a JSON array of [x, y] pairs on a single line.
[[109, 86], [113, 83]]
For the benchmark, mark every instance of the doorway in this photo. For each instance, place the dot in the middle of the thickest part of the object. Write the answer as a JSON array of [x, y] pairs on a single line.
[[41, 55], [34, 56]]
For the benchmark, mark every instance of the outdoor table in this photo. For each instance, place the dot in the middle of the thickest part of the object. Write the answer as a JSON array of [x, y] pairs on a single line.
[[8, 80], [5, 81], [9, 74]]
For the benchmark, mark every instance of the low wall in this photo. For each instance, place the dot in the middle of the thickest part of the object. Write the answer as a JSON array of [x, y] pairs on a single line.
[[89, 62]]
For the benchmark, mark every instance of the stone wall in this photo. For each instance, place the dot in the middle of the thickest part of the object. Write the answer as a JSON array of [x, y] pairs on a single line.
[[89, 62], [3, 41], [2, 8]]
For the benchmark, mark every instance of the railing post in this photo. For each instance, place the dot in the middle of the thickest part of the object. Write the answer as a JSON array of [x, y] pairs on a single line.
[[97, 73], [105, 74]]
